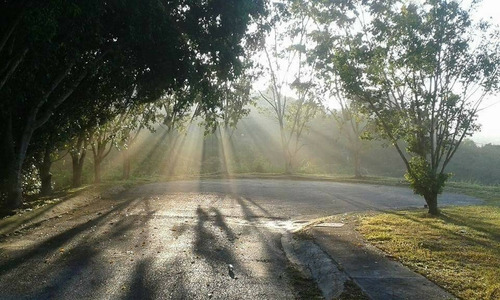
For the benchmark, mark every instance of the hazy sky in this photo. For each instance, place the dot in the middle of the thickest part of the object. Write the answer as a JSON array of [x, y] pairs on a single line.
[[490, 117]]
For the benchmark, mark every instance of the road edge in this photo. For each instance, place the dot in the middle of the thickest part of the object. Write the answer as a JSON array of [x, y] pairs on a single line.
[[313, 262]]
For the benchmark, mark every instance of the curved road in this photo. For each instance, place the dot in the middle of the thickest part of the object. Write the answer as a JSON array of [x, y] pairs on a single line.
[[299, 199], [210, 239]]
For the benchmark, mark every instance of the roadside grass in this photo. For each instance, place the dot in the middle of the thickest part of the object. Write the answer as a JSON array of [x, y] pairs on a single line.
[[304, 287], [33, 202], [489, 193], [459, 250]]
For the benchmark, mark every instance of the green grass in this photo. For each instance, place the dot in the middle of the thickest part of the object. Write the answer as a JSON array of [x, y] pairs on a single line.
[[489, 193], [459, 250]]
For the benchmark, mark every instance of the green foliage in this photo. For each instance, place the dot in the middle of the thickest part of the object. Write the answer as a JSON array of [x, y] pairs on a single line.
[[110, 55], [232, 105], [420, 70], [475, 163], [289, 67], [422, 179]]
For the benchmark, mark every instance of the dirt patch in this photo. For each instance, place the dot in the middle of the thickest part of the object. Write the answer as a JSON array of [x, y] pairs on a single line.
[[55, 207]]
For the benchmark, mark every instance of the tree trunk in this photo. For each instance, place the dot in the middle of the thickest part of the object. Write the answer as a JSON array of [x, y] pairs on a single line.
[[46, 188], [77, 175], [289, 166], [97, 171], [14, 188], [100, 153], [357, 165], [12, 180], [432, 203], [45, 175], [223, 147], [286, 153], [44, 166], [126, 164], [77, 162], [12, 156]]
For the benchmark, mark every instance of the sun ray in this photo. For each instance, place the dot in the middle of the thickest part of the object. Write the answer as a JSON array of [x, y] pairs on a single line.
[[226, 152], [184, 159], [265, 140]]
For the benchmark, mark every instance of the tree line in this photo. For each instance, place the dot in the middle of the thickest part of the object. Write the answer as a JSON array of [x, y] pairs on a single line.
[[90, 76], [411, 74], [69, 66], [254, 147]]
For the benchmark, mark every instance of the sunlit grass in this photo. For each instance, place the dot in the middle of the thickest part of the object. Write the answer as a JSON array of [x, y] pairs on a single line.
[[460, 250]]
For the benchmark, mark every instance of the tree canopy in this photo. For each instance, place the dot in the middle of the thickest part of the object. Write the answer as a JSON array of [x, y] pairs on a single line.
[[421, 70], [412, 72], [49, 50]]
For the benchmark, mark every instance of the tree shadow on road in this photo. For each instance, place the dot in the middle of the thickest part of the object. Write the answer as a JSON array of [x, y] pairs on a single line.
[[139, 286], [217, 251], [89, 259], [54, 243], [64, 258]]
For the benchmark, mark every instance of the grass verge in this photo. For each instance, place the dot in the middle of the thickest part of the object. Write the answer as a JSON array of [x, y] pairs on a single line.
[[352, 292], [489, 193], [304, 287], [459, 250]]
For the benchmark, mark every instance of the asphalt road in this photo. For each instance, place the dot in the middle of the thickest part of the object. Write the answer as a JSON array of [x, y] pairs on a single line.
[[211, 239]]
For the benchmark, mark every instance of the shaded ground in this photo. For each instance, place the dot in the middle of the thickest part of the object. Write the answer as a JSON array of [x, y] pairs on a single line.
[[180, 240]]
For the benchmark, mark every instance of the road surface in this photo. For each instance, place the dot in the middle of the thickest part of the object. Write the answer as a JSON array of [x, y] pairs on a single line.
[[210, 239]]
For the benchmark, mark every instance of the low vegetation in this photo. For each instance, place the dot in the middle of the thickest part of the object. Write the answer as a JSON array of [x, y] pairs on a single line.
[[459, 250], [489, 193]]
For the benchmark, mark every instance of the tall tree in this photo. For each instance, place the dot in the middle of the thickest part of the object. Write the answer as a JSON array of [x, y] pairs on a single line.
[[139, 118], [48, 149], [289, 70], [421, 70], [78, 150], [49, 48], [104, 139], [355, 127], [354, 123]]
